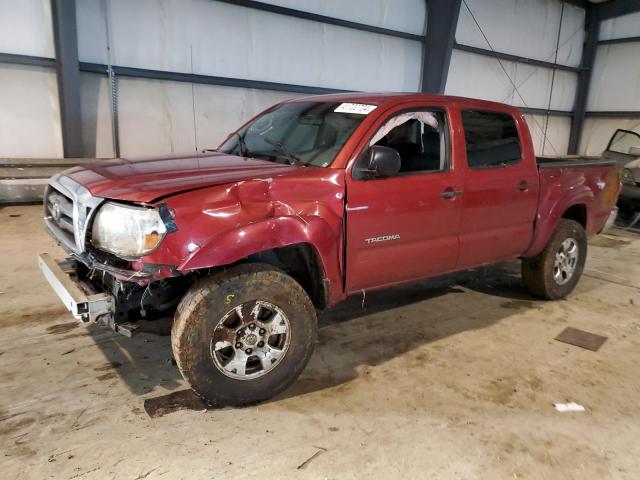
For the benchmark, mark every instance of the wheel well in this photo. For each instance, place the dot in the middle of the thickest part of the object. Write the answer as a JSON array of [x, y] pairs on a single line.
[[577, 213], [302, 263]]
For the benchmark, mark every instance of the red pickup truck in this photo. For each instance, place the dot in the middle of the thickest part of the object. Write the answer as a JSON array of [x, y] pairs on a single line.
[[311, 201]]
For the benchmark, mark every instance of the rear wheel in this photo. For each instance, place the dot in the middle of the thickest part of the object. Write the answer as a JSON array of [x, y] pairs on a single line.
[[243, 336], [554, 272]]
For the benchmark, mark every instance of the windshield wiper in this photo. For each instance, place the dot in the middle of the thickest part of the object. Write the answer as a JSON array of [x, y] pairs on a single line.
[[293, 160], [244, 151]]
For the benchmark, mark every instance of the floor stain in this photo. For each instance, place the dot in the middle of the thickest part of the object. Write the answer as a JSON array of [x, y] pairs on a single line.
[[520, 305], [607, 242], [76, 335], [175, 401], [52, 418], [535, 383], [7, 377], [107, 376], [20, 451], [108, 366], [500, 391], [29, 316], [16, 425], [61, 328]]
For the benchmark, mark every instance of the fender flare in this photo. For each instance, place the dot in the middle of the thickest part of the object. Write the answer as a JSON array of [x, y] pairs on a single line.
[[547, 220], [233, 245]]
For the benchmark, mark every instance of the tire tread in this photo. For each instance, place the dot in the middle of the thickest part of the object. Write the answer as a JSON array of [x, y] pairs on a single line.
[[537, 272], [186, 313]]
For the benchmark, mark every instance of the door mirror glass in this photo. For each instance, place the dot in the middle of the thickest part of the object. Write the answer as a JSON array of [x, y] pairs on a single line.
[[382, 162]]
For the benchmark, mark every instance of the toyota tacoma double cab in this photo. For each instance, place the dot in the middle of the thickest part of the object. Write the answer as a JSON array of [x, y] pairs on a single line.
[[311, 201]]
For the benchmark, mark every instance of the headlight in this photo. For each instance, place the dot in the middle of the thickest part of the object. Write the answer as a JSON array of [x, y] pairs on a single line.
[[127, 231], [627, 176]]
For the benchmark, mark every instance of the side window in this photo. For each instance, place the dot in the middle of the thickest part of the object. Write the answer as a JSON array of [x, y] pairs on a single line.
[[492, 139], [419, 138]]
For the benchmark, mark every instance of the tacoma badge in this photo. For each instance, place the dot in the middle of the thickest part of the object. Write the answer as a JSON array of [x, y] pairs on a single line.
[[383, 238]]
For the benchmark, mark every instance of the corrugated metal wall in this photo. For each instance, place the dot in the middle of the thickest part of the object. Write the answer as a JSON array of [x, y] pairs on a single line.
[[29, 109], [527, 29], [213, 38], [615, 83]]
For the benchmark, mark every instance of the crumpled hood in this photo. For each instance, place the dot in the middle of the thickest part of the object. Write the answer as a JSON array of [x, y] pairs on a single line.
[[634, 166], [146, 179]]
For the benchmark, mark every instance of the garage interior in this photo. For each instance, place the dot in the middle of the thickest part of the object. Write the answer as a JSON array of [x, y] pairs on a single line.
[[452, 377]]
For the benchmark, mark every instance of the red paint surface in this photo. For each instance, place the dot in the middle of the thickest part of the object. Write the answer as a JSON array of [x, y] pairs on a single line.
[[227, 208]]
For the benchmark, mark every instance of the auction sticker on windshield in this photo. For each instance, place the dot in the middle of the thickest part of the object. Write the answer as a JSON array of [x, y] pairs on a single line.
[[359, 108]]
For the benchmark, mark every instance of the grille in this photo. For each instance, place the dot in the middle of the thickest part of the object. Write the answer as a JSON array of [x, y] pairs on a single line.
[[68, 207], [59, 211]]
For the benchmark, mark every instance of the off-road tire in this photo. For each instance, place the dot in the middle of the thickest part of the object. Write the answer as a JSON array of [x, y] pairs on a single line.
[[209, 300], [537, 272]]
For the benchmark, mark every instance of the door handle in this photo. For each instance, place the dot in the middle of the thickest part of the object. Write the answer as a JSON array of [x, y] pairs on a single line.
[[523, 185], [450, 193]]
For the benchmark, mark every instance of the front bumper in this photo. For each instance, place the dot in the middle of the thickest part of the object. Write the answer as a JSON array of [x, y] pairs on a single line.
[[79, 297]]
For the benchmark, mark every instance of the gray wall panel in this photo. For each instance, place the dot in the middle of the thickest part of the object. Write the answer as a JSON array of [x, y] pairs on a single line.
[[232, 41], [156, 117], [625, 26], [29, 112], [95, 96], [526, 28], [25, 27], [402, 15]]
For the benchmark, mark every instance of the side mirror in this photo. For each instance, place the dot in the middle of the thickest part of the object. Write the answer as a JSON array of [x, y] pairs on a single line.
[[635, 151], [382, 161]]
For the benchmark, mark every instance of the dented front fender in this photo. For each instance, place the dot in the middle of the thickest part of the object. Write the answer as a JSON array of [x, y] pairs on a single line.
[[220, 225]]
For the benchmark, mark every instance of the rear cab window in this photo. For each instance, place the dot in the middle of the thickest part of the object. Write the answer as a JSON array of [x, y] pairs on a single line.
[[491, 139]]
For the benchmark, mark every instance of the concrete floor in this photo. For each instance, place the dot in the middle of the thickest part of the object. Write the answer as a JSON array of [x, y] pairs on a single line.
[[452, 378]]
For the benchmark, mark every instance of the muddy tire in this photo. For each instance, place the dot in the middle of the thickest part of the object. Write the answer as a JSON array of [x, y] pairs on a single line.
[[555, 271], [242, 336]]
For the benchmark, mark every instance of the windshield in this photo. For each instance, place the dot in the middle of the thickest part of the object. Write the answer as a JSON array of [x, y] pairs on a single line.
[[306, 133]]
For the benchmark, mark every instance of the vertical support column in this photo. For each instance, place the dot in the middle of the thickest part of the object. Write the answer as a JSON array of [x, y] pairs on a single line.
[[68, 74], [442, 20], [592, 29]]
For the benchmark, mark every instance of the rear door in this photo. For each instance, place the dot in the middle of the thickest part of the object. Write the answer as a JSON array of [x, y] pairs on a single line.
[[500, 188], [405, 227]]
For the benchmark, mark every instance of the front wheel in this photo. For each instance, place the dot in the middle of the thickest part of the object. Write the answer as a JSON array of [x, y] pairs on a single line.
[[243, 336], [554, 272]]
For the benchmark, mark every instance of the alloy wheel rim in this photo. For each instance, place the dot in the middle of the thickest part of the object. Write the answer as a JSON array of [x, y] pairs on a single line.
[[566, 261], [250, 340]]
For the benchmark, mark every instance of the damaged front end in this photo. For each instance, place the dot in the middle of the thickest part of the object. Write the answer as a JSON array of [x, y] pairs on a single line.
[[96, 286], [97, 295], [132, 260]]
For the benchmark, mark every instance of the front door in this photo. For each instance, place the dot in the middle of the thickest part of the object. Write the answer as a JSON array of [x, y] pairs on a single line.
[[405, 227]]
